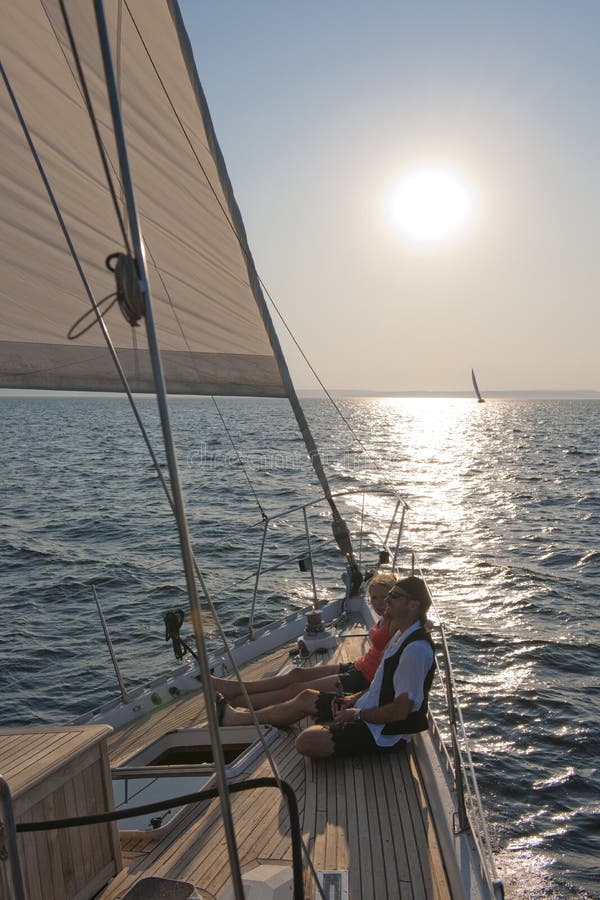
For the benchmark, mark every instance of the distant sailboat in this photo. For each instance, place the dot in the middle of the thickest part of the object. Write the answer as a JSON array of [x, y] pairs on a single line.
[[476, 387]]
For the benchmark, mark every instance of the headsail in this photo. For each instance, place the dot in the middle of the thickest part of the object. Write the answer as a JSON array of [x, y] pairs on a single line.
[[203, 281], [213, 327], [476, 387]]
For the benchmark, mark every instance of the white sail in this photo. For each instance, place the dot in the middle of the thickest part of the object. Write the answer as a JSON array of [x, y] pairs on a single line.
[[205, 290], [476, 387]]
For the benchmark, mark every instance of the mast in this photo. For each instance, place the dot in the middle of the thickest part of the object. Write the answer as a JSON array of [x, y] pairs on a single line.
[[341, 532], [340, 529], [161, 393]]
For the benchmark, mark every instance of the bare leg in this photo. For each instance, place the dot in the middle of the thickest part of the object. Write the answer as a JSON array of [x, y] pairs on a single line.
[[271, 698], [315, 742], [281, 714], [298, 675]]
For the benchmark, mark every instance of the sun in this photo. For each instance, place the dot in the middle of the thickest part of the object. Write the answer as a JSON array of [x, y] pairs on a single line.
[[430, 205]]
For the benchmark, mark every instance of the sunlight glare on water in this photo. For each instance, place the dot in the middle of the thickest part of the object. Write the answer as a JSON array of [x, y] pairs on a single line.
[[504, 516]]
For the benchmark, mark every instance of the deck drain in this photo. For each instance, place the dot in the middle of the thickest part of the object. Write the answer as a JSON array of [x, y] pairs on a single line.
[[334, 883]]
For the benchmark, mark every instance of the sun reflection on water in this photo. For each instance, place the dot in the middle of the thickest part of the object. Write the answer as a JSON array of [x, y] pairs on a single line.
[[438, 453]]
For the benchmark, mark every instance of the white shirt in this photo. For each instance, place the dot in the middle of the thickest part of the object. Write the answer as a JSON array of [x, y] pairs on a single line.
[[409, 678]]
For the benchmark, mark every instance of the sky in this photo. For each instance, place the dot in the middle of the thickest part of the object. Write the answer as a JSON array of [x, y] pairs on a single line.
[[321, 108]]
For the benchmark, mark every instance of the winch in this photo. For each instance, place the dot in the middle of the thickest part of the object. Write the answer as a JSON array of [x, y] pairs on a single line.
[[316, 637]]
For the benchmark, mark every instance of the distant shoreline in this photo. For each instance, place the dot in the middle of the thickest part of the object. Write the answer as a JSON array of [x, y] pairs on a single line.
[[341, 394]]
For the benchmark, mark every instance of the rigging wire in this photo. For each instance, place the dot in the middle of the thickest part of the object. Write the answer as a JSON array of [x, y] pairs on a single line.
[[246, 256], [96, 306], [180, 514], [82, 85], [118, 365], [93, 121], [192, 359], [339, 526], [123, 294], [123, 378], [265, 518]]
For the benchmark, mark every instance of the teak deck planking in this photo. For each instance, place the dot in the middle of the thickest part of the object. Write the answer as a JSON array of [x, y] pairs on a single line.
[[365, 815]]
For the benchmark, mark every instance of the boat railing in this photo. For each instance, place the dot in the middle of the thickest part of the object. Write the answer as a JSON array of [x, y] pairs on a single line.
[[388, 541], [469, 814], [9, 854], [453, 745]]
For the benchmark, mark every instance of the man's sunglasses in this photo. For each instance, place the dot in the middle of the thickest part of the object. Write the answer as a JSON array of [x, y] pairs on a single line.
[[399, 595]]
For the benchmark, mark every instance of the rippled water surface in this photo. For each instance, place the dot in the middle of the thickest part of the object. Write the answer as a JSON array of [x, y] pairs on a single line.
[[504, 514]]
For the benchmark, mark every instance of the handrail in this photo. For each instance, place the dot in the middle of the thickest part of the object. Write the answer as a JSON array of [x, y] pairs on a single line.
[[470, 814], [319, 500], [451, 701], [470, 809], [399, 537], [392, 520], [310, 558], [303, 508], [195, 797], [111, 649], [257, 580]]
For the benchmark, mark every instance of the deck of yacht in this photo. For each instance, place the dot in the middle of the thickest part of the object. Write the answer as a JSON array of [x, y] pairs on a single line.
[[366, 816]]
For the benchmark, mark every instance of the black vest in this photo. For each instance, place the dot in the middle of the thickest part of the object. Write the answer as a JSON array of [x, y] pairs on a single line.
[[417, 720]]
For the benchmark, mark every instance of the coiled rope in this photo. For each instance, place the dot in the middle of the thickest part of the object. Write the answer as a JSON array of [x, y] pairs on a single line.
[[173, 619]]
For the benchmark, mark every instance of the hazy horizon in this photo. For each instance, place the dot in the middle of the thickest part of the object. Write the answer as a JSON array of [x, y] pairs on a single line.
[[348, 393]]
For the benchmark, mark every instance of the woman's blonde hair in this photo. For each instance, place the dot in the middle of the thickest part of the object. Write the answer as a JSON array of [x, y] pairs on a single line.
[[381, 578]]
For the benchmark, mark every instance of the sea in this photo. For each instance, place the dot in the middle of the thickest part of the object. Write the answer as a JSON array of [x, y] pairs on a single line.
[[503, 519]]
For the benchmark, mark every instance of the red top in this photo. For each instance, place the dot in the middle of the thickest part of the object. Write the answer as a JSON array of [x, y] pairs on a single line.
[[379, 635]]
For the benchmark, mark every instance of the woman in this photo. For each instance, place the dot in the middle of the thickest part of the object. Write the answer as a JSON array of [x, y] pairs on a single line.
[[348, 678]]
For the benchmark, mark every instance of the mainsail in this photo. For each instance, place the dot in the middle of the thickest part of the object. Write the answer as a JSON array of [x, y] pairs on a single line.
[[205, 290]]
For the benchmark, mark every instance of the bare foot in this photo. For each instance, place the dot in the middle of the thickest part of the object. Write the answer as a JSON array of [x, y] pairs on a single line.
[[234, 716], [229, 689]]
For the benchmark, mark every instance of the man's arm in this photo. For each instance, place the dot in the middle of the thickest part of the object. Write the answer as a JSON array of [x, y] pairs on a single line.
[[395, 711], [408, 683], [350, 699]]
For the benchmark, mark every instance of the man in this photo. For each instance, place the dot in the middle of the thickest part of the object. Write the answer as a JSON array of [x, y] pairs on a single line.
[[393, 707]]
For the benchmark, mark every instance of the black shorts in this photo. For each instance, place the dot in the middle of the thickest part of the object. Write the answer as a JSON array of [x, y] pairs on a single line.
[[324, 706], [352, 680], [350, 738], [355, 739]]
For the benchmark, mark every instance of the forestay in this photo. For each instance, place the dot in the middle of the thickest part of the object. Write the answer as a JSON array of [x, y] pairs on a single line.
[[206, 296]]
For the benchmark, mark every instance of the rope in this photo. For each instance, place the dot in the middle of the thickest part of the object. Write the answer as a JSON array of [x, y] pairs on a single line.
[[173, 620]]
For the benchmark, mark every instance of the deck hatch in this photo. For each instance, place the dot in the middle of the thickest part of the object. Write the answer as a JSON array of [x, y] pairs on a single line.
[[180, 762]]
